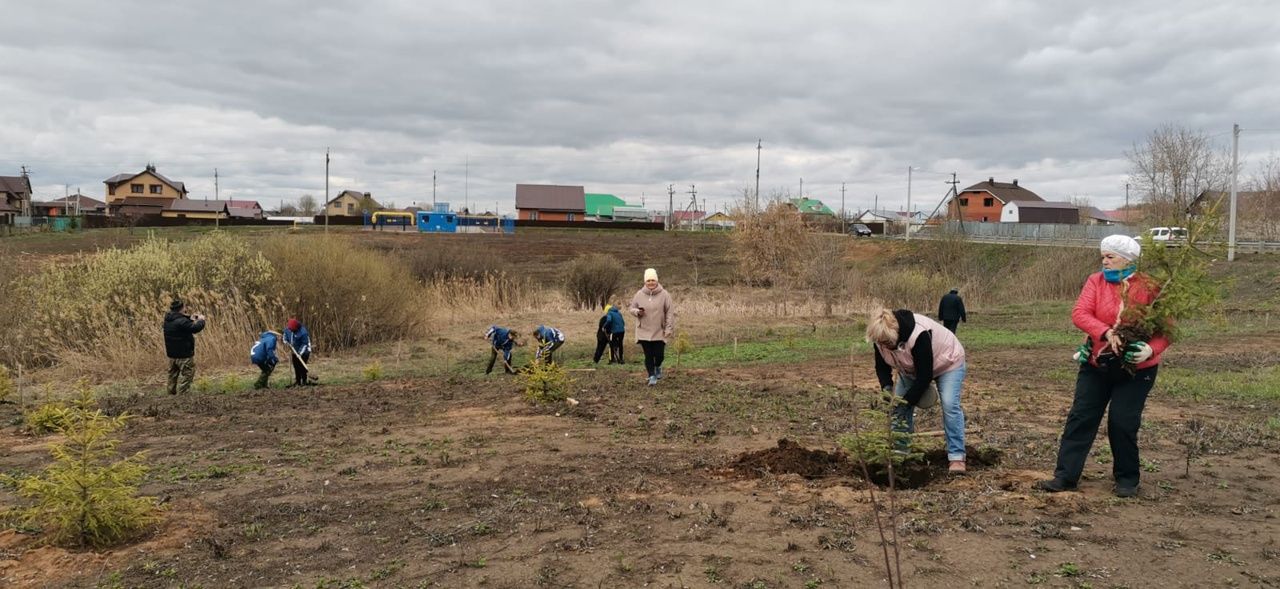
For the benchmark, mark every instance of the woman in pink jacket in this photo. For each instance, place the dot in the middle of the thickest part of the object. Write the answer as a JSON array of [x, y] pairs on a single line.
[[656, 322], [1103, 379], [922, 352]]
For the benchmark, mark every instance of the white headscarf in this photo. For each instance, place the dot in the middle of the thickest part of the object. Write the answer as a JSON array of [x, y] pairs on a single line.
[[1123, 246]]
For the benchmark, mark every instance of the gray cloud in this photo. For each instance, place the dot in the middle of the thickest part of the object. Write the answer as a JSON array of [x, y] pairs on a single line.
[[622, 97]]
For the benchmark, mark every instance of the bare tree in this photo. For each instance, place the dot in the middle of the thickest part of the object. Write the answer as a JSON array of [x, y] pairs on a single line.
[[307, 205], [1259, 209], [1172, 167], [288, 210]]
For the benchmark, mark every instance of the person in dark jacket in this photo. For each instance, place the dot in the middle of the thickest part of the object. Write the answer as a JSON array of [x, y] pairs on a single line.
[[921, 351], [263, 355], [502, 340], [609, 333], [180, 346], [951, 310], [298, 338], [617, 329], [602, 337]]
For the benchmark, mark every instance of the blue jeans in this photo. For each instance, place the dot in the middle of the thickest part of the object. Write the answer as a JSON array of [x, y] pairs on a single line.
[[949, 386]]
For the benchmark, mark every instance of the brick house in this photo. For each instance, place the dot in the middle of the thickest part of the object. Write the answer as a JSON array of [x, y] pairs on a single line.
[[548, 202], [145, 185], [985, 201]]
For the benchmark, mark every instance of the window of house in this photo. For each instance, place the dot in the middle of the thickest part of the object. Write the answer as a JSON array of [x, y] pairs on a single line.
[[135, 188], [570, 216], [156, 189], [964, 202], [986, 202], [533, 215], [351, 208], [984, 218]]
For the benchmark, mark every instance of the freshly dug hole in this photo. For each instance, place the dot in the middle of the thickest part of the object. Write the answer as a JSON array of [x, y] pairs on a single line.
[[789, 457]]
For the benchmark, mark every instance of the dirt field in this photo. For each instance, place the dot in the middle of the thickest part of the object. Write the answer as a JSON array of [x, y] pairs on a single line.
[[441, 477]]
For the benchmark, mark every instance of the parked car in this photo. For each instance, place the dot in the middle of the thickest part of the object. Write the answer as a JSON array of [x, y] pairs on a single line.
[[1168, 235], [859, 230]]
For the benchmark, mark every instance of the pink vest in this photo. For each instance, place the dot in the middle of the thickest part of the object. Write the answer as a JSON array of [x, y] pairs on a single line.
[[948, 354]]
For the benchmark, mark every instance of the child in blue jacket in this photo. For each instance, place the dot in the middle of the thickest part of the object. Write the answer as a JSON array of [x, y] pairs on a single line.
[[263, 355], [501, 340], [298, 338], [549, 340], [610, 333]]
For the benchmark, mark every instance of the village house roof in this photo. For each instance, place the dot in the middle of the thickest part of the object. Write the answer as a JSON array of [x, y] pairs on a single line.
[[16, 185], [1006, 192], [119, 179], [550, 197]]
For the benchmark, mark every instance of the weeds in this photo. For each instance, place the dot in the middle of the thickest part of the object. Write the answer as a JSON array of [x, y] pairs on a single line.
[[7, 386]]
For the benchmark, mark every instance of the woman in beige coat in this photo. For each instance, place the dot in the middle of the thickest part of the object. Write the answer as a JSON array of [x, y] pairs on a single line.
[[655, 322]]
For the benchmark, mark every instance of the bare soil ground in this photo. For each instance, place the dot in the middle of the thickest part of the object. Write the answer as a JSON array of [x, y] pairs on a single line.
[[455, 481]]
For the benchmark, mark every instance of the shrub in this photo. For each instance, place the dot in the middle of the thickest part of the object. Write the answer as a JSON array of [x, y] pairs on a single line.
[[348, 295], [769, 246], [593, 280], [102, 314], [87, 497], [7, 387], [47, 418], [373, 371], [545, 382], [874, 443]]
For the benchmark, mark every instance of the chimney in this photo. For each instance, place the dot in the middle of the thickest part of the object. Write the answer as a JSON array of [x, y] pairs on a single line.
[[369, 195], [1015, 182], [991, 180]]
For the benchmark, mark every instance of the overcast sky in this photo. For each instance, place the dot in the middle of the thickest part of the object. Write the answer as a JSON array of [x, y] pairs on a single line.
[[624, 97]]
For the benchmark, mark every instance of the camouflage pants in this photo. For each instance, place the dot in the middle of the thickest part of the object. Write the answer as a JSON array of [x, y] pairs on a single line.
[[181, 372]]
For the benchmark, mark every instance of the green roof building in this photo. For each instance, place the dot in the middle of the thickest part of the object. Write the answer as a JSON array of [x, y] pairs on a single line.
[[601, 205], [811, 206]]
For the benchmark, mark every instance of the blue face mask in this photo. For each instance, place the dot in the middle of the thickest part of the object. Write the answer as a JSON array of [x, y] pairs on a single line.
[[1118, 275]]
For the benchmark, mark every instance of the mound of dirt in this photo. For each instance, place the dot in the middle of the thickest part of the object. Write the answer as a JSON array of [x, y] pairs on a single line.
[[790, 457]]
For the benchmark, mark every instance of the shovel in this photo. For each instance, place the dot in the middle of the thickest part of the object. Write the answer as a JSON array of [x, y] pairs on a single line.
[[310, 376]]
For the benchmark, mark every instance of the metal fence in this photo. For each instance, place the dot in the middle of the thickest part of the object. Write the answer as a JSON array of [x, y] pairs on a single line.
[[1035, 231]]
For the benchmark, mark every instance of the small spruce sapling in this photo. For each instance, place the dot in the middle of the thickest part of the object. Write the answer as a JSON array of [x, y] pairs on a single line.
[[87, 497]]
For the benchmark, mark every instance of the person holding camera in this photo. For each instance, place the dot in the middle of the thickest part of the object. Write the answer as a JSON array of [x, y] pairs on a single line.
[[180, 329], [656, 322]]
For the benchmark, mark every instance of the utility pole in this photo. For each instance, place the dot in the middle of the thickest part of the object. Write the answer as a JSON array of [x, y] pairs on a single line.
[[433, 191], [1235, 172], [466, 185], [215, 184], [909, 170], [326, 190], [671, 202], [801, 195], [757, 201], [26, 203], [693, 190], [843, 228]]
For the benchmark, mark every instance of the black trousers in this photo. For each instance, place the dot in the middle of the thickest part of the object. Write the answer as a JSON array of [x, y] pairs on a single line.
[[299, 371], [1095, 389], [602, 342], [611, 340], [615, 347], [653, 354], [951, 325]]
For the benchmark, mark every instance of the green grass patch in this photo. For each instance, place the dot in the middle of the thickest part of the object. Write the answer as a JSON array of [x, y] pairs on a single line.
[[1263, 383]]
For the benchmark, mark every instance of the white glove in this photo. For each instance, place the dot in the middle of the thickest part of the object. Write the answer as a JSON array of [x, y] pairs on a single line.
[[1138, 352]]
